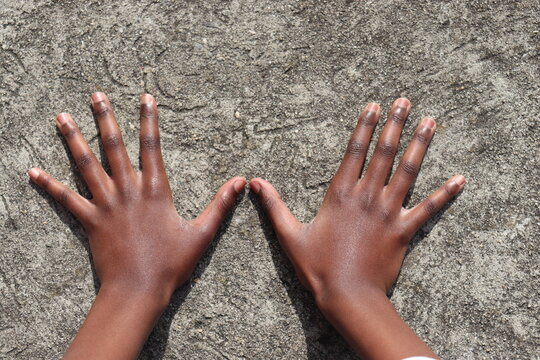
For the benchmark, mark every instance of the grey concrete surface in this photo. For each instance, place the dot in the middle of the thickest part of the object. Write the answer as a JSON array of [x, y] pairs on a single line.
[[296, 74]]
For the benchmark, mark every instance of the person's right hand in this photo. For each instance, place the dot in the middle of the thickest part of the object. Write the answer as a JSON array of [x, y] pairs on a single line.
[[138, 241], [141, 248], [354, 247]]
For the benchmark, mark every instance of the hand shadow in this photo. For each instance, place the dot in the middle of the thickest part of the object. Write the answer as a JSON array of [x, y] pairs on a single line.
[[430, 224], [71, 222], [322, 340], [424, 229], [64, 215]]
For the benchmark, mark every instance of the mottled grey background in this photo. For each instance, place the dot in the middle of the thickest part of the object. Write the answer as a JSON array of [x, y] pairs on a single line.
[[297, 74]]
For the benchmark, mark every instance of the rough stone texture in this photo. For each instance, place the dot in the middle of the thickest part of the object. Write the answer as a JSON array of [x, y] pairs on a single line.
[[297, 73]]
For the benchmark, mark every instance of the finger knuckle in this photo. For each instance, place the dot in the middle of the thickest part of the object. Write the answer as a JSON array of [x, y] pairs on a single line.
[[386, 150], [422, 136], [402, 234], [108, 205], [409, 168], [386, 214], [101, 109], [398, 116], [369, 120], [430, 207], [269, 203], [68, 130], [64, 196], [127, 194], [45, 181], [226, 200], [157, 188], [451, 188], [111, 142], [89, 220], [147, 112], [367, 200], [397, 119], [340, 193], [150, 142], [84, 161], [204, 230], [356, 149]]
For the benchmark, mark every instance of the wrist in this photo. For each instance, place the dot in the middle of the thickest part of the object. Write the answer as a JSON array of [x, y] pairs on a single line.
[[369, 322], [148, 299], [119, 321], [334, 300]]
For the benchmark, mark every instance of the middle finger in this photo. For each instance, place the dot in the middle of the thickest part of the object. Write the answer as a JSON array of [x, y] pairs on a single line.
[[383, 157]]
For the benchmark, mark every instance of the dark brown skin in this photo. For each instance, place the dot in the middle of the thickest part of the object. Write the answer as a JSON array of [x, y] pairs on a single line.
[[141, 248], [350, 254]]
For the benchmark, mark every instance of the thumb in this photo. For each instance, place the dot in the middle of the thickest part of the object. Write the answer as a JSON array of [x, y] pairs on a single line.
[[211, 218], [284, 222]]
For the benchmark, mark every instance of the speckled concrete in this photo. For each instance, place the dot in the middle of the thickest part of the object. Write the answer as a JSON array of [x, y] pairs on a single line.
[[296, 74]]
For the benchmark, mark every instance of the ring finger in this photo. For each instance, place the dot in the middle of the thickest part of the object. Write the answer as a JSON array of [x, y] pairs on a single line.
[[409, 166]]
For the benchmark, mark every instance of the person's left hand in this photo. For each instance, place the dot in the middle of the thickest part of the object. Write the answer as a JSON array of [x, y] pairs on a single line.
[[350, 254]]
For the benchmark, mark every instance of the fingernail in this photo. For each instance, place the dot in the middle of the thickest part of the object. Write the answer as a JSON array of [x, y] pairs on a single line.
[[62, 118], [146, 98], [33, 173], [460, 180], [239, 186], [255, 187], [373, 107], [97, 97], [429, 123], [402, 103]]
